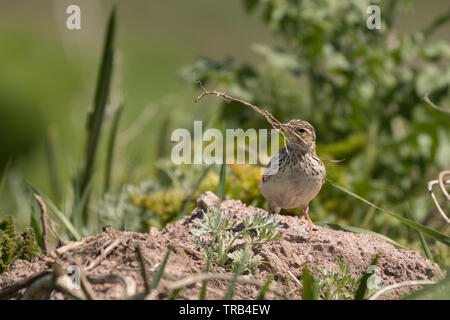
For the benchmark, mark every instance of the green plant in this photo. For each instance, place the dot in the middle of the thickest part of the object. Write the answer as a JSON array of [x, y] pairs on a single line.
[[14, 246], [362, 90], [255, 228], [310, 285], [332, 284], [337, 284]]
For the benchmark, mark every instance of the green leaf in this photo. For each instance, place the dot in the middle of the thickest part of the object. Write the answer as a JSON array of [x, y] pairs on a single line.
[[436, 235], [362, 288], [59, 215], [175, 294], [221, 187], [264, 290], [310, 288], [160, 271], [205, 282], [230, 292], [96, 118], [110, 150], [438, 291], [423, 241], [35, 224], [52, 163]]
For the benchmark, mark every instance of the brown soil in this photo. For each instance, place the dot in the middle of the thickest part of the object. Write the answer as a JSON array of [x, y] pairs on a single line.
[[298, 247]]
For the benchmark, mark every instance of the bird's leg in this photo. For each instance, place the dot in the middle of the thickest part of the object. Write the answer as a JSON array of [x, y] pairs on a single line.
[[273, 209], [307, 217]]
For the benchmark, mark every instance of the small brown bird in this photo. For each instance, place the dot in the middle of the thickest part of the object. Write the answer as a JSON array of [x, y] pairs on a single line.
[[295, 175]]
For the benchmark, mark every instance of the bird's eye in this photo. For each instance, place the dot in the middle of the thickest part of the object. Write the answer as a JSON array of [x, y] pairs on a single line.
[[301, 130]]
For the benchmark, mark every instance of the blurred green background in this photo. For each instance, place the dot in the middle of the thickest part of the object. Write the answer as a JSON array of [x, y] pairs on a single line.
[[364, 103]]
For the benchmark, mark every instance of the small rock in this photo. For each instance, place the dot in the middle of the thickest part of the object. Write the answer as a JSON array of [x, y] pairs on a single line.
[[207, 200]]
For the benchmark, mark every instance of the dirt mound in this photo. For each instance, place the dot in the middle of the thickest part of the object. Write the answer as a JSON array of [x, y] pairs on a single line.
[[113, 261]]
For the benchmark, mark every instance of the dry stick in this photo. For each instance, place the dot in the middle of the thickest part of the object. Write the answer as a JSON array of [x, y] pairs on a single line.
[[283, 129], [216, 276], [107, 278], [61, 286], [295, 278], [103, 255], [431, 104], [61, 250], [85, 285], [441, 184], [40, 289], [398, 285], [20, 284], [43, 208]]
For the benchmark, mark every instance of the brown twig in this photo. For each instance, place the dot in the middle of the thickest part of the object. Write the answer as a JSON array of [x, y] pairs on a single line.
[[103, 254], [8, 291], [43, 209], [431, 104], [282, 128], [40, 288], [85, 285], [62, 287], [128, 284]]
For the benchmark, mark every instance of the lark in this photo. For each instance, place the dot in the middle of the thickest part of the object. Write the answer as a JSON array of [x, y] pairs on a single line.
[[295, 175]]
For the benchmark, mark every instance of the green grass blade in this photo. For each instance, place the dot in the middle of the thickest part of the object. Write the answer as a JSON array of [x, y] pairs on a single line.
[[362, 288], [175, 294], [264, 290], [220, 192], [423, 241], [59, 215], [438, 291], [436, 23], [230, 292], [362, 231], [160, 271], [96, 118], [205, 282], [436, 235], [310, 288], [110, 150], [52, 163], [221, 187], [35, 224], [78, 208]]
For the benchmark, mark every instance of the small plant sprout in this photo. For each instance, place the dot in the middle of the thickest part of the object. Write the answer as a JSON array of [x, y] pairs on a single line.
[[337, 284], [253, 229]]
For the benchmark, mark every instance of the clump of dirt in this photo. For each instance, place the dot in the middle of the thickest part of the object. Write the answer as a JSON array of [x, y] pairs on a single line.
[[113, 261]]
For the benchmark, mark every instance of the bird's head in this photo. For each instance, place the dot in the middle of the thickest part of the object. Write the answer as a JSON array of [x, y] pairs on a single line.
[[301, 134]]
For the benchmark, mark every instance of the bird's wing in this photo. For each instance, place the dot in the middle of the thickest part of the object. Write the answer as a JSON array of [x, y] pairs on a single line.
[[274, 165]]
